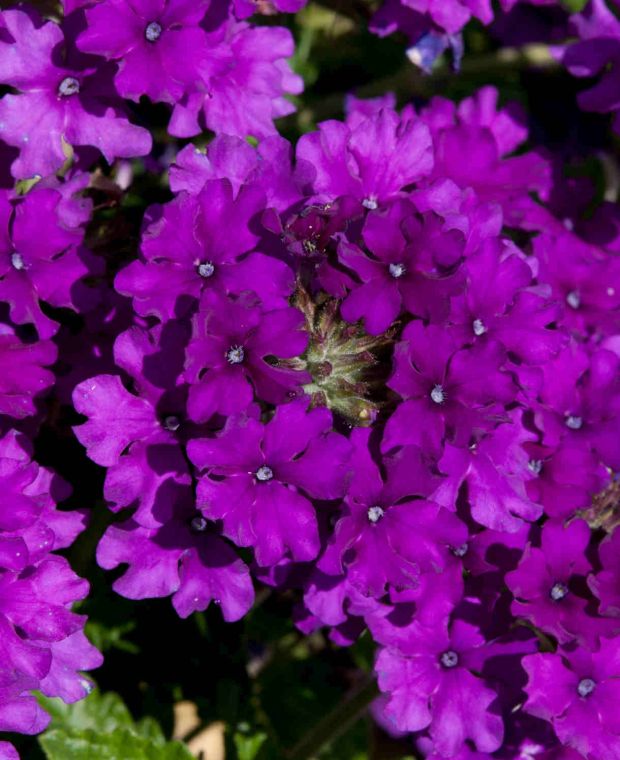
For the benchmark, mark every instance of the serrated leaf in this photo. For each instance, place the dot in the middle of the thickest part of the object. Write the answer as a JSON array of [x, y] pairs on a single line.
[[121, 744]]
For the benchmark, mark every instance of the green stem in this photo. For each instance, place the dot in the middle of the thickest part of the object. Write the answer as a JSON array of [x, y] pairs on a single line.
[[336, 722]]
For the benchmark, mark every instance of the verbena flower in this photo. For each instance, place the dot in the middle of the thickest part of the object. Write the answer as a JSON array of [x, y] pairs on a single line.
[[41, 256], [597, 53], [577, 691], [203, 242], [151, 40], [244, 80], [58, 107], [549, 584], [447, 390], [226, 357], [431, 685], [43, 647], [255, 477], [387, 535]]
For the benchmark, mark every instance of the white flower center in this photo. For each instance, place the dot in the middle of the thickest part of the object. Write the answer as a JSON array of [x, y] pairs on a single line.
[[438, 395], [198, 524], [68, 86], [375, 514], [370, 203], [460, 551], [449, 659], [172, 422], [534, 466], [206, 269], [558, 591], [235, 354], [264, 473], [478, 327], [397, 270], [16, 261], [573, 299], [585, 687], [153, 31], [573, 422]]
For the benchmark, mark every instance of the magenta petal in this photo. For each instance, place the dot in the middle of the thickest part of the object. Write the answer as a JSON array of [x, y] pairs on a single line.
[[212, 572], [283, 518], [116, 418], [461, 712]]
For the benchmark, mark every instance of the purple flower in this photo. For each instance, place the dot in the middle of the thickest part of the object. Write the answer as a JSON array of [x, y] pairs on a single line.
[[431, 684], [373, 161], [139, 437], [158, 44], [41, 258], [203, 242], [268, 166], [179, 557], [598, 52], [581, 402], [244, 78], [565, 479], [37, 589], [58, 107], [226, 356], [410, 265], [448, 391], [582, 277], [498, 304], [255, 477], [495, 469], [549, 584], [578, 691], [24, 373], [485, 135], [386, 536]]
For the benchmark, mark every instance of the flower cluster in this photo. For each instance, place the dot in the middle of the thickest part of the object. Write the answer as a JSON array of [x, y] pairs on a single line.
[[45, 267], [379, 367], [43, 644], [345, 364], [72, 78], [65, 104]]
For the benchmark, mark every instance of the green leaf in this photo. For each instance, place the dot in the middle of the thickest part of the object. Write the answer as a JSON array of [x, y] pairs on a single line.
[[101, 712], [574, 6], [248, 747], [102, 727], [121, 744]]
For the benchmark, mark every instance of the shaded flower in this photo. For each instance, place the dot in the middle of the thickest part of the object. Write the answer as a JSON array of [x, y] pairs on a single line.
[[448, 391], [577, 692], [58, 106], [158, 44], [387, 535], [203, 242], [373, 161], [255, 477], [226, 363]]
